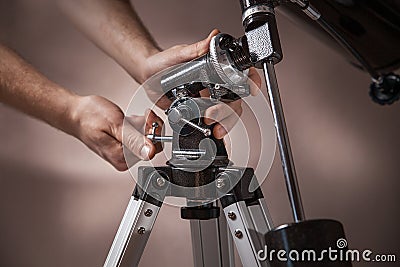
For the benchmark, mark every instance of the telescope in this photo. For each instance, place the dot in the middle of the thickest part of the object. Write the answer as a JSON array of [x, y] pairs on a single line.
[[366, 32]]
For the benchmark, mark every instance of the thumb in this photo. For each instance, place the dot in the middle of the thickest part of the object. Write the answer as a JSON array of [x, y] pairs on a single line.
[[195, 50], [178, 54], [137, 143]]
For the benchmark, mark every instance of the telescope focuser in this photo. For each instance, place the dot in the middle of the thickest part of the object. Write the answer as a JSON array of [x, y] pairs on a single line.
[[222, 70]]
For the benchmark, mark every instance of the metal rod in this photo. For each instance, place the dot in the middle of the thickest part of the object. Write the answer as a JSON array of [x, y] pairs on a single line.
[[283, 142], [159, 138], [205, 131]]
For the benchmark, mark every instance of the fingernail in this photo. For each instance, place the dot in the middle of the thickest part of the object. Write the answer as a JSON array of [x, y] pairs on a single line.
[[145, 152]]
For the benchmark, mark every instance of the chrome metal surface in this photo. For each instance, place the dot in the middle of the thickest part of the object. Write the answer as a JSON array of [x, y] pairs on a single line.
[[283, 142], [205, 131], [256, 9], [312, 12], [247, 240], [132, 234]]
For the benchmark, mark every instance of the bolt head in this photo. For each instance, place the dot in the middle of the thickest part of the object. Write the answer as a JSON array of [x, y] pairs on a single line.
[[148, 213], [141, 230], [231, 215], [160, 181], [220, 183], [238, 234]]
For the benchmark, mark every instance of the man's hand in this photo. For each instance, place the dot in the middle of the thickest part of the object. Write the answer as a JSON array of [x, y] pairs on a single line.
[[175, 55], [115, 27], [225, 114], [98, 123], [94, 120]]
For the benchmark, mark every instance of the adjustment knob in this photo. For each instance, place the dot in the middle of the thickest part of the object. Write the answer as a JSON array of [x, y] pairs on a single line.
[[386, 90]]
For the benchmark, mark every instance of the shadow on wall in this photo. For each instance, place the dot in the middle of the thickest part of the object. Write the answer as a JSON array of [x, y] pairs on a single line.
[[47, 217]]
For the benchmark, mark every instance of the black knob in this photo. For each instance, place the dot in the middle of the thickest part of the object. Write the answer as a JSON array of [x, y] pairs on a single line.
[[226, 42], [387, 90]]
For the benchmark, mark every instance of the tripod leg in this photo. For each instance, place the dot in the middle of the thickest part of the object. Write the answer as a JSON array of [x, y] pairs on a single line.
[[246, 214], [248, 225], [139, 218], [261, 218], [211, 243], [133, 233]]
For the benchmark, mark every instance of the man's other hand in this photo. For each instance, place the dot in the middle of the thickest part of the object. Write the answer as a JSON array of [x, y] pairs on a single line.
[[98, 123]]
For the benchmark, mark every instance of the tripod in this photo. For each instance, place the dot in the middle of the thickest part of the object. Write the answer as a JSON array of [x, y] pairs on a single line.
[[244, 211], [200, 165]]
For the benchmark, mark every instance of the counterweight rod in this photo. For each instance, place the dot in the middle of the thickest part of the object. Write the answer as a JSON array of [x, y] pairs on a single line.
[[283, 142]]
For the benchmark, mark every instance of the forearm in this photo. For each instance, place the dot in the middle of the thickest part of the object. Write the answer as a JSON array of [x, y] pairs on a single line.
[[25, 89], [114, 27]]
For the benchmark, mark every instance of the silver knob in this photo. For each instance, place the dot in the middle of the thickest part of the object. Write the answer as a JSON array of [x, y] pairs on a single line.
[[157, 138]]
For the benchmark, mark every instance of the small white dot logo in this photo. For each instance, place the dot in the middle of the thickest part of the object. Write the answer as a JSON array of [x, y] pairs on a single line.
[[341, 243]]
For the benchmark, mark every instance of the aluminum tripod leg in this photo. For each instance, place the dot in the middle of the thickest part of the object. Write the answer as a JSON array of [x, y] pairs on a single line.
[[211, 243], [138, 221], [248, 225], [133, 233]]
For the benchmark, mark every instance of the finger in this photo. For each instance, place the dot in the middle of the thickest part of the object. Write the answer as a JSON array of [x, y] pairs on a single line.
[[223, 127], [130, 158], [112, 151], [195, 50], [183, 53], [152, 117], [137, 143], [255, 85], [205, 93], [163, 102], [115, 125], [137, 122], [221, 111], [144, 125], [117, 158], [157, 95]]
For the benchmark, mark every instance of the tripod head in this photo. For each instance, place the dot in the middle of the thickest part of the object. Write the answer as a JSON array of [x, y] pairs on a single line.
[[223, 70]]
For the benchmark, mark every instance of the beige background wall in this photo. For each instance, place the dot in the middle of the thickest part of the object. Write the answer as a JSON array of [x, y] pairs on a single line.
[[60, 204]]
